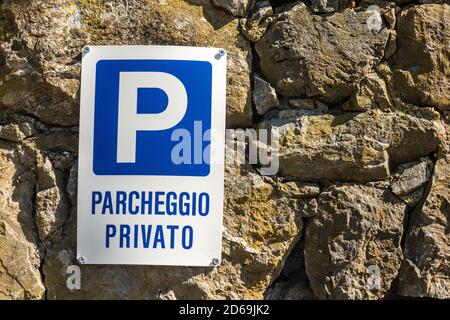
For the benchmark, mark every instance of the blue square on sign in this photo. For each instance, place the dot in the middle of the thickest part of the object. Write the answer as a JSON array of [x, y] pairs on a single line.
[[151, 148]]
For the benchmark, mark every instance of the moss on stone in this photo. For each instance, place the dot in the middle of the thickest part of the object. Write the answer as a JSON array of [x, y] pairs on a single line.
[[91, 11]]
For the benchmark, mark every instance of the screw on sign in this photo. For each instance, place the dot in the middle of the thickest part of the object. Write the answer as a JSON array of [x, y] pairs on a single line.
[[220, 54]]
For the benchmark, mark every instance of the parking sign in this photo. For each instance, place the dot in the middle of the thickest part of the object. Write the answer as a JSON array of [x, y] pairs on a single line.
[[151, 152]]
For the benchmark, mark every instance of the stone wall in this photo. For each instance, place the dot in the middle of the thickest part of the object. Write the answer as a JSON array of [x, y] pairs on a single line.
[[364, 116]]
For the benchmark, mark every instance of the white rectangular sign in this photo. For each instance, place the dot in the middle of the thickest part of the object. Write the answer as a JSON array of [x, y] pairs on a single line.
[[151, 153]]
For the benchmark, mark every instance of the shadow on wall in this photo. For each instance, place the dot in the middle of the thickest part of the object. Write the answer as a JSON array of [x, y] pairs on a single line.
[[292, 283]]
